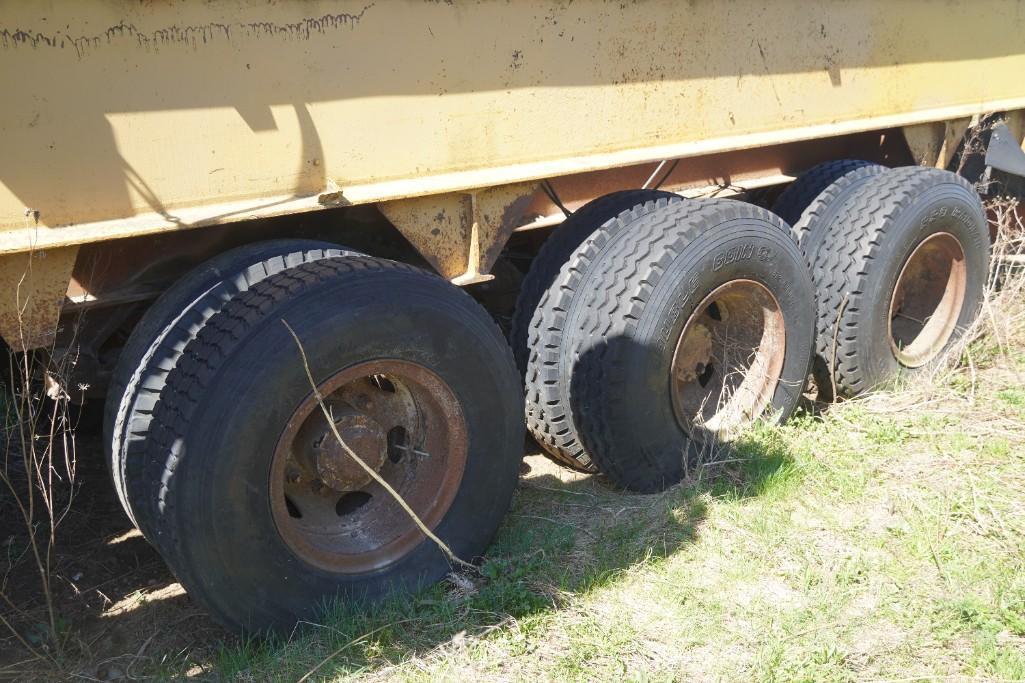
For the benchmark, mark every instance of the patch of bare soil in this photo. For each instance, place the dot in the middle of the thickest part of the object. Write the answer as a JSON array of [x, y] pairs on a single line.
[[121, 611]]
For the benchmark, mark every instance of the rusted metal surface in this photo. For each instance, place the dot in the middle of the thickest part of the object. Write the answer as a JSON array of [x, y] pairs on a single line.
[[927, 300], [405, 423], [934, 144], [318, 452], [720, 175], [32, 289], [131, 269], [462, 234], [728, 359]]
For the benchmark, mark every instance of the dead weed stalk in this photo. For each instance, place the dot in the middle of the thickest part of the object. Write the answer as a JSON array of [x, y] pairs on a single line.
[[38, 471]]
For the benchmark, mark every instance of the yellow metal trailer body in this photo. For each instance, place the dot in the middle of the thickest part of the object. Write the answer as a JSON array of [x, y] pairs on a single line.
[[123, 118]]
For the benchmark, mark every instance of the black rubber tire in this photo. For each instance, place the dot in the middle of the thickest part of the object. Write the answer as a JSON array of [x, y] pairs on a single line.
[[862, 253], [799, 194], [814, 222], [547, 406], [648, 283], [218, 421], [156, 342], [810, 232], [556, 251]]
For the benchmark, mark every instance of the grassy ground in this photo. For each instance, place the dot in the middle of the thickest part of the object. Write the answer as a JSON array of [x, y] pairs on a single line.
[[883, 538]]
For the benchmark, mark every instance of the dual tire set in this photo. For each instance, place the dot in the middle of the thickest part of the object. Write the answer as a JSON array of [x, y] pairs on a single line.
[[223, 458], [671, 325], [648, 328], [653, 327]]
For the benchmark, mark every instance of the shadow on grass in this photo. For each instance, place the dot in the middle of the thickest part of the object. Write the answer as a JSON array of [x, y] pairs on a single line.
[[566, 535]]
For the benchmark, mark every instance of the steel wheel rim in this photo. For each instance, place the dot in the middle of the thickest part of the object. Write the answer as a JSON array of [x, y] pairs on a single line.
[[728, 359], [406, 423], [927, 300]]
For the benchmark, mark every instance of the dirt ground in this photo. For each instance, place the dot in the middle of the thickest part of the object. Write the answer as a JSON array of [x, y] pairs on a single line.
[[119, 603]]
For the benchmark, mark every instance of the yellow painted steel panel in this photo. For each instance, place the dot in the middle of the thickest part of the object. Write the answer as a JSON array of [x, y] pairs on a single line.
[[125, 117]]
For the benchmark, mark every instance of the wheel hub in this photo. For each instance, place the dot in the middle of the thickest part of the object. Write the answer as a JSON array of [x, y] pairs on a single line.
[[405, 424], [927, 300], [728, 359], [324, 457]]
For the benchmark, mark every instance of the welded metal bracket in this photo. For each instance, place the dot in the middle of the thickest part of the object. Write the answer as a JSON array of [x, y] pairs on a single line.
[[934, 144], [1004, 152], [461, 234], [33, 285]]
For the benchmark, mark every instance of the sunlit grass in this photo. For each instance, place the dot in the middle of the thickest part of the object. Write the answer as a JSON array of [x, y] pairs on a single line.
[[867, 542]]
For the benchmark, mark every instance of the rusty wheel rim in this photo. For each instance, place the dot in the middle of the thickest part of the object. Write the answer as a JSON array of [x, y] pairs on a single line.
[[404, 421], [728, 359], [927, 300]]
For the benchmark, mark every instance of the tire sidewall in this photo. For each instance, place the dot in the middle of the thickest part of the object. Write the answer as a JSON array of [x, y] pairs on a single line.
[[747, 248], [157, 339]]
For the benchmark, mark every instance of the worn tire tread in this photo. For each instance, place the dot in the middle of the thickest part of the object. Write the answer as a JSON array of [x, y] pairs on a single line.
[[627, 276], [548, 415], [556, 251], [800, 194]]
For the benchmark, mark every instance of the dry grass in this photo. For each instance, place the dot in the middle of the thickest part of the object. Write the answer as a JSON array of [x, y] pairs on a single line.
[[38, 469]]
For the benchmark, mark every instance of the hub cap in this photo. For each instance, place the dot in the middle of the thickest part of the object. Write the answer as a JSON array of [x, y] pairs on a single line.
[[927, 300]]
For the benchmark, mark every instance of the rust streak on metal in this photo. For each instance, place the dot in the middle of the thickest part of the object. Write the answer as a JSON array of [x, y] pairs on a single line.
[[461, 234], [32, 291]]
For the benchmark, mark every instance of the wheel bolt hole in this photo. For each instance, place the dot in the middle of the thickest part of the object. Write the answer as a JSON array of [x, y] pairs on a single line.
[[351, 502], [398, 443], [706, 374], [383, 383], [293, 511]]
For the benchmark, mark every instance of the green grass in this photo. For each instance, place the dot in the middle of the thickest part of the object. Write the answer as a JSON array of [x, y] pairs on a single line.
[[882, 539]]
